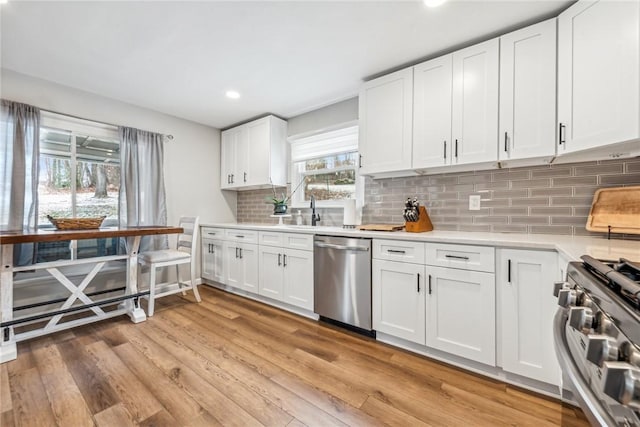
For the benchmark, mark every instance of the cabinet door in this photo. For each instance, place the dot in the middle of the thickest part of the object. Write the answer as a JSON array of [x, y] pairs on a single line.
[[234, 271], [386, 106], [217, 267], [228, 157], [399, 299], [271, 272], [249, 261], [475, 103], [527, 308], [598, 74], [432, 113], [461, 313], [240, 175], [258, 152], [298, 278], [528, 92], [208, 260]]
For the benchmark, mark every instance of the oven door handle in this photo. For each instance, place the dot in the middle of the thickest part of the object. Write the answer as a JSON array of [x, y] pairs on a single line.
[[340, 247], [589, 403]]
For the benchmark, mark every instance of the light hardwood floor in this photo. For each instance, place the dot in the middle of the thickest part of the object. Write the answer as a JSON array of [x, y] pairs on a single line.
[[232, 361]]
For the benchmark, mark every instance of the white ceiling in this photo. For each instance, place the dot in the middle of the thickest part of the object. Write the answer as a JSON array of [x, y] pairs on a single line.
[[285, 58]]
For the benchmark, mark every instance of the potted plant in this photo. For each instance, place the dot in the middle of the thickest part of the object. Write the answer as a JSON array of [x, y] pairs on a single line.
[[280, 203]]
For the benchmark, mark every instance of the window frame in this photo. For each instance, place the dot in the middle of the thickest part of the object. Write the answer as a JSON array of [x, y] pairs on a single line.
[[331, 142]]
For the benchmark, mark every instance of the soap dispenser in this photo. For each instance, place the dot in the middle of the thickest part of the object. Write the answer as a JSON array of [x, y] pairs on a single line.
[[299, 217]]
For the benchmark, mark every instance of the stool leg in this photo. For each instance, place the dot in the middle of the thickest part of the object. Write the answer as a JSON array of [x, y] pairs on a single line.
[[184, 292], [196, 293], [152, 290]]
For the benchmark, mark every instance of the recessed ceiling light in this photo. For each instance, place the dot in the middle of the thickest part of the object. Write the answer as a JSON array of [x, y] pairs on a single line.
[[232, 94], [433, 3]]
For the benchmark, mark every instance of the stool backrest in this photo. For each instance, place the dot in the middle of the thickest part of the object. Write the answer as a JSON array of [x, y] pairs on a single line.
[[188, 240]]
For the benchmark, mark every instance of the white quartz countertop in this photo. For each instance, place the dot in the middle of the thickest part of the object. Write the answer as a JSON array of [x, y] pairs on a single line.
[[569, 246]]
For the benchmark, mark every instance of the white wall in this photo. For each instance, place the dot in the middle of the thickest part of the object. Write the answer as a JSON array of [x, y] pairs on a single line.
[[192, 158]]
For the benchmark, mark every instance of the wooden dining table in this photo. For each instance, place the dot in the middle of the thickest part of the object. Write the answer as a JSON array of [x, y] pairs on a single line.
[[49, 321]]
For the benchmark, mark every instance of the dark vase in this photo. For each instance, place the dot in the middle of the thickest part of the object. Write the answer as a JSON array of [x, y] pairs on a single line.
[[279, 209]]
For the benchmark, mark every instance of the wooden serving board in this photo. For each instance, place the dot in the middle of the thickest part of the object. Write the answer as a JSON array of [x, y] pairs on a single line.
[[381, 227], [618, 208]]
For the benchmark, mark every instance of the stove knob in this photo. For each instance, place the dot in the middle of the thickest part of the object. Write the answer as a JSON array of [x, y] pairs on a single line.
[[603, 325], [630, 353], [568, 297], [560, 285], [622, 383], [581, 319], [601, 348]]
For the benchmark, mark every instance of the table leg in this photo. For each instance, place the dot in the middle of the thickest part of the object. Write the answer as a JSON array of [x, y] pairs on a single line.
[[135, 312], [8, 349]]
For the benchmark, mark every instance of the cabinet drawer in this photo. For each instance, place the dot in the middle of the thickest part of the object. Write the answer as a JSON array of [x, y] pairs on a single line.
[[212, 233], [397, 250], [238, 235], [478, 258], [298, 241], [270, 238]]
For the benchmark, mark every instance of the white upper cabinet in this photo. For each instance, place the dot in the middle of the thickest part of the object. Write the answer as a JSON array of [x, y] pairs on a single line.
[[432, 91], [475, 104], [254, 154], [598, 74], [528, 92], [386, 106]]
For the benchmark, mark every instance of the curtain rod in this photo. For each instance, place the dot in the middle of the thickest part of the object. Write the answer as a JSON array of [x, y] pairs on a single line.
[[169, 137]]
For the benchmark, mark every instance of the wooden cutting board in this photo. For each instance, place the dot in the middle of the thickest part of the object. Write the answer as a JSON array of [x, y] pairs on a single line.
[[618, 208], [381, 227]]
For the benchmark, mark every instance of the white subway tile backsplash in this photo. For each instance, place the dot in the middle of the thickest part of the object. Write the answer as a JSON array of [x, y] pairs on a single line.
[[550, 199]]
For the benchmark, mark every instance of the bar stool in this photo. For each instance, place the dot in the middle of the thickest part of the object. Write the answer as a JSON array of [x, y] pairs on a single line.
[[183, 254]]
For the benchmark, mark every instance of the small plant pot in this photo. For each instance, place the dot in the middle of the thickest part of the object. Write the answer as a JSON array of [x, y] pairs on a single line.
[[279, 209]]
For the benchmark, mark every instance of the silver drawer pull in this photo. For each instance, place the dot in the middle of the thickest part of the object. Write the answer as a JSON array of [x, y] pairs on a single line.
[[240, 236], [212, 234], [466, 258], [395, 251]]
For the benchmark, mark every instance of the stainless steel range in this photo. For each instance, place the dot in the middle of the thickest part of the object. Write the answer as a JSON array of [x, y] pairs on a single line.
[[597, 338]]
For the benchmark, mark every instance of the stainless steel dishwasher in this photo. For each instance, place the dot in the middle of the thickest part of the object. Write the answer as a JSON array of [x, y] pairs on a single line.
[[342, 281]]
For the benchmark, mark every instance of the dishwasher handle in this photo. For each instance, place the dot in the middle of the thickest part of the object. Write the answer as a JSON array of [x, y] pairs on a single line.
[[341, 247]]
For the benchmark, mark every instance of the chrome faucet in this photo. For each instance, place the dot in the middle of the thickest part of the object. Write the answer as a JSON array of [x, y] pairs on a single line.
[[315, 218]]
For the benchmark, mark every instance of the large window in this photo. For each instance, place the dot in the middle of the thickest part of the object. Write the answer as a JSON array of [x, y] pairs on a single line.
[[79, 177], [326, 166]]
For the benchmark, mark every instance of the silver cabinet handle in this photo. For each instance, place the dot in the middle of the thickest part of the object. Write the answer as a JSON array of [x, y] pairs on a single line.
[[466, 258], [561, 136], [456, 148], [506, 146], [279, 260], [418, 280], [509, 271], [245, 177], [240, 253], [284, 260], [237, 253], [429, 284], [341, 247], [212, 234], [395, 251], [239, 236], [445, 150]]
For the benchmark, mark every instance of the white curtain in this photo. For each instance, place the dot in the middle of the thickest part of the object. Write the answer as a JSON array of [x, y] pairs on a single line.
[[142, 194], [19, 145]]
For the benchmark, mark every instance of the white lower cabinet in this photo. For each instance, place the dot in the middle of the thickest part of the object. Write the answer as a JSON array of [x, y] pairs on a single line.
[[213, 260], [399, 299], [286, 274], [461, 313], [241, 266], [527, 308]]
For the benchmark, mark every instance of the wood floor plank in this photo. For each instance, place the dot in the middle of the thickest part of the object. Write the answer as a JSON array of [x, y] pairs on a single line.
[[116, 415], [237, 362], [67, 403], [233, 388], [5, 390], [30, 403], [178, 403], [289, 402], [389, 415], [96, 390], [161, 418], [137, 399]]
